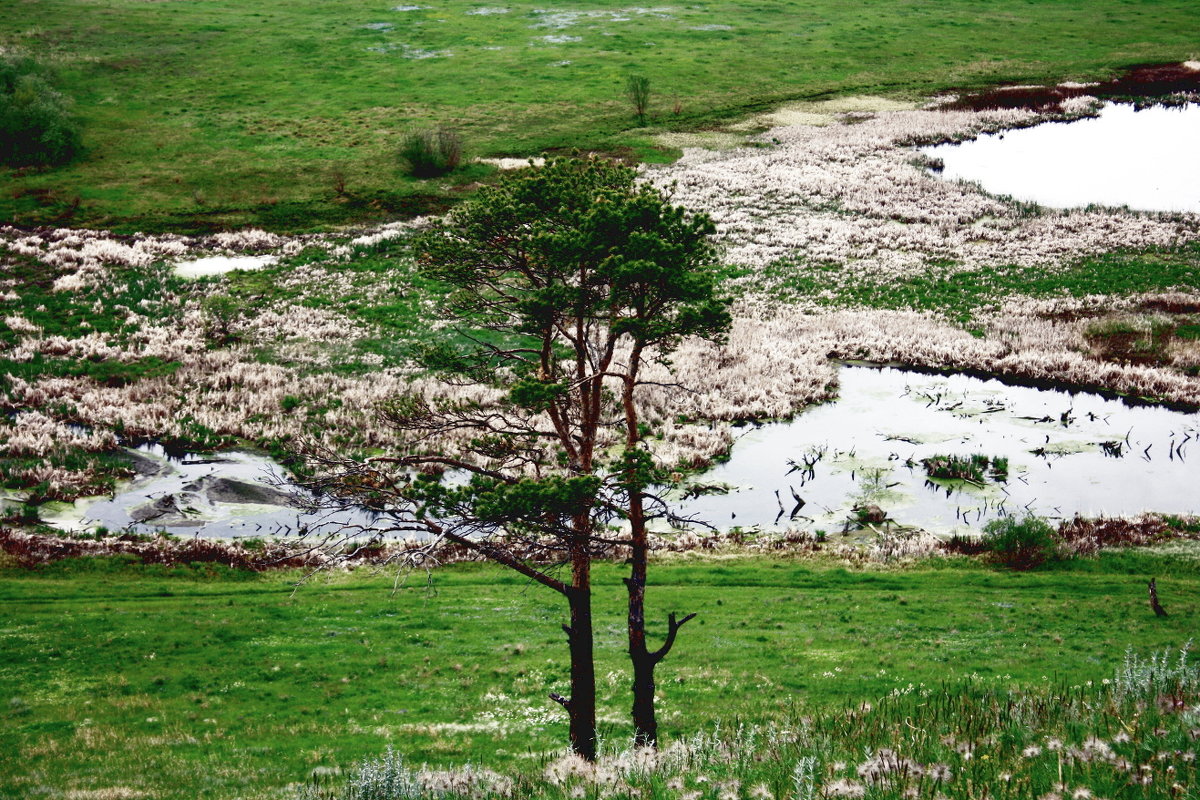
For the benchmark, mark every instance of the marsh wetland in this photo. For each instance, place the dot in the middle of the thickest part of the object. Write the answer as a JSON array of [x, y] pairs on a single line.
[[1064, 455], [961, 248]]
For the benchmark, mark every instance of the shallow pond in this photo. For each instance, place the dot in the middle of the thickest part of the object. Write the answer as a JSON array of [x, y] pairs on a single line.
[[233, 494], [219, 265], [1146, 159], [1067, 454]]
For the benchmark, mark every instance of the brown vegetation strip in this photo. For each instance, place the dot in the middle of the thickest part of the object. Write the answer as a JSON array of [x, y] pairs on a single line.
[[1079, 537], [1147, 82]]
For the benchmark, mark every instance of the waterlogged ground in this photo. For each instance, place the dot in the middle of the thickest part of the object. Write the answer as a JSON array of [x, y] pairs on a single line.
[[1143, 158], [838, 244], [1066, 454], [230, 494], [218, 265]]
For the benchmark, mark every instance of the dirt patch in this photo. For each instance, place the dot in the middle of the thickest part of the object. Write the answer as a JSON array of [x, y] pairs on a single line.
[[823, 112], [705, 140], [1144, 83], [1128, 348], [512, 163], [1170, 339], [625, 155], [1172, 304]]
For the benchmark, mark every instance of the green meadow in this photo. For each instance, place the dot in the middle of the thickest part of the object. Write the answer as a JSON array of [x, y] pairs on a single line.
[[202, 115], [197, 681]]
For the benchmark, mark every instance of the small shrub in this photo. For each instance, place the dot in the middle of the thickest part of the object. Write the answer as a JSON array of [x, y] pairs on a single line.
[[431, 152], [37, 127], [221, 315], [1022, 543], [337, 179], [637, 89]]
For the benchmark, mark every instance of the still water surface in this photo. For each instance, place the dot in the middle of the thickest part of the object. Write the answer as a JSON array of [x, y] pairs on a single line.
[[1068, 454], [228, 494], [1148, 160]]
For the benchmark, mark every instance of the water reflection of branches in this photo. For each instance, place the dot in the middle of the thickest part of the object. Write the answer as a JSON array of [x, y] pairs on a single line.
[[800, 503], [808, 463]]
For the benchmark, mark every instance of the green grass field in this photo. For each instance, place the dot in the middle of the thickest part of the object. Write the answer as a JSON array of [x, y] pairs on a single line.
[[960, 295], [229, 112], [193, 683]]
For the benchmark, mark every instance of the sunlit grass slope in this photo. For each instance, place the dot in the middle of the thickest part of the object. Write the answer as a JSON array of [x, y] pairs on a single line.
[[226, 112]]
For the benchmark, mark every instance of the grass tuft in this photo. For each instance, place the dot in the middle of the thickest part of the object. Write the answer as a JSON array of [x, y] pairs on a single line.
[[431, 152]]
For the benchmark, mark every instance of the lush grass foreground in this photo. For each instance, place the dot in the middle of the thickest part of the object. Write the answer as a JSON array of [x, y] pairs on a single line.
[[290, 114], [193, 684]]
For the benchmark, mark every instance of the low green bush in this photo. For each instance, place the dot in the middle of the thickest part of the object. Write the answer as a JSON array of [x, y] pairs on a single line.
[[37, 126], [431, 152], [1022, 543]]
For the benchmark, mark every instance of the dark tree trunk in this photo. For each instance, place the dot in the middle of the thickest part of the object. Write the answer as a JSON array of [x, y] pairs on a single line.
[[581, 705], [645, 724]]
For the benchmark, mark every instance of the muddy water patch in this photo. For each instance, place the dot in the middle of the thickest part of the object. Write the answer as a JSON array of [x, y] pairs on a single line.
[[1147, 159], [513, 163], [560, 18], [232, 494], [885, 442]]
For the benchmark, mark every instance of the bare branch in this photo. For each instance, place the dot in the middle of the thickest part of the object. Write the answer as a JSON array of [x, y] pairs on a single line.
[[672, 631], [503, 556]]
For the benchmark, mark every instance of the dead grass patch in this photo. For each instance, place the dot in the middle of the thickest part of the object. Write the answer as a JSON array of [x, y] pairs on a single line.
[[106, 793]]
